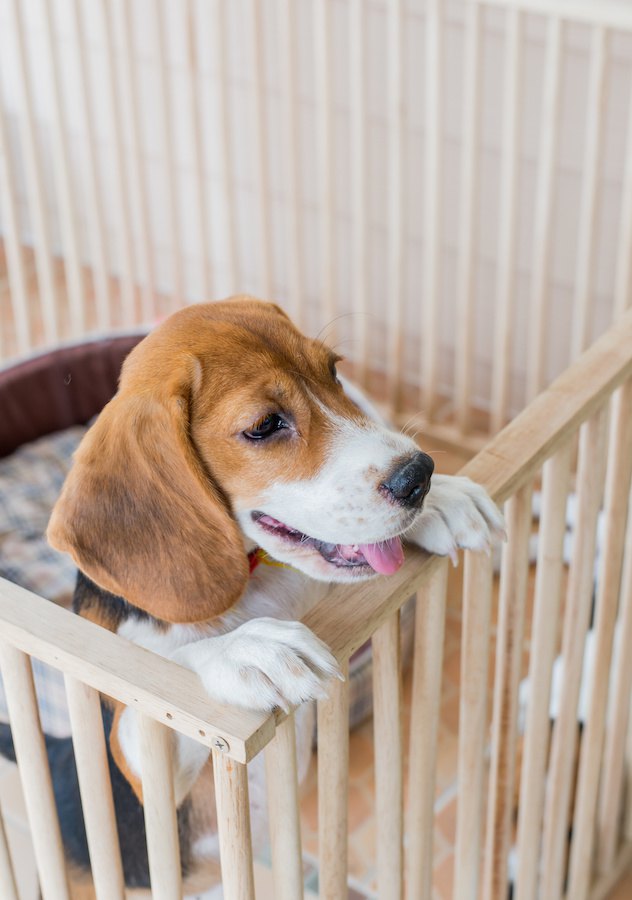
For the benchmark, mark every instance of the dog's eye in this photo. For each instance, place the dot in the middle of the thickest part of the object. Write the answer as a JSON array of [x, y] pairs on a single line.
[[265, 427], [334, 372]]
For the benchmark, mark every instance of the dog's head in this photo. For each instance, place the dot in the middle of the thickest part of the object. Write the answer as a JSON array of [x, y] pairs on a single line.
[[230, 426]]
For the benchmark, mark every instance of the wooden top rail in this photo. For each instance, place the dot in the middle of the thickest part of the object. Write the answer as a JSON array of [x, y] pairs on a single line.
[[346, 617], [137, 677]]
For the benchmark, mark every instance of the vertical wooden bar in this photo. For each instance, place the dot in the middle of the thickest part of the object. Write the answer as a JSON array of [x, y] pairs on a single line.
[[547, 601], [509, 651], [218, 33], [47, 283], [507, 220], [333, 783], [97, 228], [623, 271], [359, 189], [433, 173], [465, 331], [424, 727], [138, 166], [396, 201], [544, 208], [159, 806], [37, 786], [62, 169], [285, 822], [196, 114], [477, 604], [387, 740], [608, 582], [233, 818], [84, 707], [593, 143], [123, 224], [171, 170], [578, 603], [611, 794], [8, 889], [260, 148], [11, 236], [294, 243], [326, 220]]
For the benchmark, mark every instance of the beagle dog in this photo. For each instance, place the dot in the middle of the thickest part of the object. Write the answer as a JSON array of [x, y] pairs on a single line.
[[232, 439]]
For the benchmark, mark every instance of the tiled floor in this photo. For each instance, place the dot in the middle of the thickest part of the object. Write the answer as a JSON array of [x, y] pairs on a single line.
[[361, 790]]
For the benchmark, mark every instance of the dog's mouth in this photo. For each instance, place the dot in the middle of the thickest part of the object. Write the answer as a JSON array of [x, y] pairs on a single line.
[[383, 557]]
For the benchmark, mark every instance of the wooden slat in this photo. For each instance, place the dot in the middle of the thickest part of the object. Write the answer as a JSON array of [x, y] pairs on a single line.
[[170, 168], [47, 282], [12, 241], [333, 783], [283, 810], [396, 200], [611, 794], [8, 888], [97, 226], [216, 31], [593, 145], [507, 221], [233, 819], [35, 777], [546, 609], [325, 149], [126, 256], [387, 740], [84, 708], [135, 676], [424, 727], [606, 883], [138, 172], [159, 807], [65, 194], [509, 652], [292, 179], [359, 189], [431, 277], [542, 237], [608, 582], [577, 613], [464, 318], [260, 150], [196, 117], [477, 603], [623, 271]]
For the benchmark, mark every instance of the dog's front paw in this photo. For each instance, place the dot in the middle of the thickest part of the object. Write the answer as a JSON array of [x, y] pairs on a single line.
[[262, 664], [458, 514]]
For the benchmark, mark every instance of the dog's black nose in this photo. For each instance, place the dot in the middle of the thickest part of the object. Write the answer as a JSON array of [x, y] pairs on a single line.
[[410, 482]]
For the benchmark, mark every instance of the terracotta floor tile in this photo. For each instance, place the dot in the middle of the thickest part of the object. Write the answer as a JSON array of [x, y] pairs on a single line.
[[446, 821], [443, 878]]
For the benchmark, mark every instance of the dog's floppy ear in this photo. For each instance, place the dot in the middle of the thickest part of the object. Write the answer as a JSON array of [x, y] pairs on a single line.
[[142, 517]]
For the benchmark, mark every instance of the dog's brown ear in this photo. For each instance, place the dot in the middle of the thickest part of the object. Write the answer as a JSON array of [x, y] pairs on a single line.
[[142, 517]]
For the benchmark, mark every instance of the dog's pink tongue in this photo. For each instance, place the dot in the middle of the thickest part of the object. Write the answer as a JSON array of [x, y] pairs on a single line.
[[385, 557]]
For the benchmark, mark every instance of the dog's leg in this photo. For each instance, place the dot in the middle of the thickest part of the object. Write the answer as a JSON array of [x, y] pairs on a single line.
[[189, 756], [457, 514]]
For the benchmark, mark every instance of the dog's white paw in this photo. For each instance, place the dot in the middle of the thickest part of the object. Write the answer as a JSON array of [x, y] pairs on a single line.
[[457, 514], [262, 664]]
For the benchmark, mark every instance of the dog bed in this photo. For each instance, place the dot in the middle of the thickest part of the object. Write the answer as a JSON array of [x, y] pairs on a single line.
[[46, 404]]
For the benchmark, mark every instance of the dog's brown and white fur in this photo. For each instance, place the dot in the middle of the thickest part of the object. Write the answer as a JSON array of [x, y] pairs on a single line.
[[230, 431]]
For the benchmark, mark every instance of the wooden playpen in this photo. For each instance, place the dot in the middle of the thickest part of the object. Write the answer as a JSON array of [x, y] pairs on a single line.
[[195, 152]]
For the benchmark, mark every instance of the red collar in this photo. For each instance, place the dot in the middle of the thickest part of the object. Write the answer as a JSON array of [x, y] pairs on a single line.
[[258, 555], [254, 558]]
